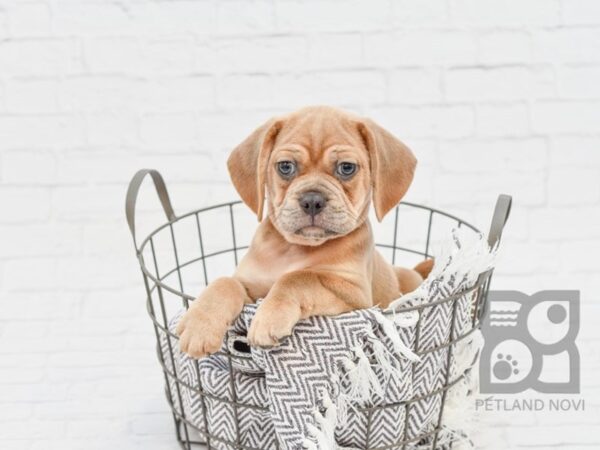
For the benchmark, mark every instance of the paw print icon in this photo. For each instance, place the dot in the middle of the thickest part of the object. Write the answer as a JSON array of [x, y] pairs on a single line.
[[530, 343]]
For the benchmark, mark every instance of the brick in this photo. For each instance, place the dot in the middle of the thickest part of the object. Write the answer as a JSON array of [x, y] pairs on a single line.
[[44, 239], [335, 50], [28, 168], [86, 18], [32, 329], [451, 121], [16, 411], [204, 57], [244, 91], [101, 305], [32, 428], [39, 57], [274, 53], [112, 128], [185, 167], [86, 273], [565, 223], [175, 55], [565, 117], [580, 12], [91, 359], [502, 120], [152, 424], [102, 93], [573, 186], [575, 151], [579, 82], [4, 23], [568, 435], [427, 13], [41, 131], [180, 94], [2, 97], [505, 83], [533, 257], [420, 47], [96, 167], [9, 376], [178, 17], [481, 188], [37, 306], [504, 13], [30, 274], [24, 204], [95, 428], [124, 55], [168, 128], [325, 16], [566, 45], [336, 88], [61, 327], [29, 19], [106, 239], [415, 86], [113, 54], [216, 138], [245, 17], [83, 203], [32, 96], [504, 47], [493, 155]]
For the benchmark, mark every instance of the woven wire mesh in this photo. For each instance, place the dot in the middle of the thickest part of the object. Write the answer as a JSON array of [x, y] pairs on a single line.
[[189, 251]]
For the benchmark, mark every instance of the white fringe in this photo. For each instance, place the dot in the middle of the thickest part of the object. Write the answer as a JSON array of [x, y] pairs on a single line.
[[358, 374], [465, 257], [390, 330], [321, 435]]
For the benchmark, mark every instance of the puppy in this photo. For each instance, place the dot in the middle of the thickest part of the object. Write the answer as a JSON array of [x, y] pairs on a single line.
[[314, 252]]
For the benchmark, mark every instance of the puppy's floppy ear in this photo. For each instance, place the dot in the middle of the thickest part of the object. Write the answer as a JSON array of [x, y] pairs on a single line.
[[392, 166], [247, 165]]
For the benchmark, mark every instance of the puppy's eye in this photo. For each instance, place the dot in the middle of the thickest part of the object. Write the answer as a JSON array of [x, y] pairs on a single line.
[[345, 170], [286, 169]]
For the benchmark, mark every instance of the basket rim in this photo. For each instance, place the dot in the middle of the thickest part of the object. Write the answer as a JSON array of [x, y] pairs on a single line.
[[231, 204], [159, 281]]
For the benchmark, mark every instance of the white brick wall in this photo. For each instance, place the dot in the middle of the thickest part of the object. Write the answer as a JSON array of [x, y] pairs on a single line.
[[493, 96]]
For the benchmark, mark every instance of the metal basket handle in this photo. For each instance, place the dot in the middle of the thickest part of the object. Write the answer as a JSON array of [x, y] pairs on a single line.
[[501, 213], [132, 194]]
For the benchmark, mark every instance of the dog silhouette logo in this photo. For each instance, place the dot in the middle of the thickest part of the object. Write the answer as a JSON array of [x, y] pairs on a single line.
[[530, 343]]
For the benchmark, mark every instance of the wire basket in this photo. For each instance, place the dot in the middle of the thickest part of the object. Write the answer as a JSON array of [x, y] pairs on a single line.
[[188, 251]]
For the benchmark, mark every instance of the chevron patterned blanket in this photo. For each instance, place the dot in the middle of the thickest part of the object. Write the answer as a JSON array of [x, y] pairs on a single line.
[[365, 379]]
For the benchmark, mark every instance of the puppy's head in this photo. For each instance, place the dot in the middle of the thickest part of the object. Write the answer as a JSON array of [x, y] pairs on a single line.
[[319, 168]]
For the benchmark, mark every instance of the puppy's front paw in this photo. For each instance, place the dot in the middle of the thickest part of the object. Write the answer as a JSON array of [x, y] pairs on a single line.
[[272, 322], [199, 335]]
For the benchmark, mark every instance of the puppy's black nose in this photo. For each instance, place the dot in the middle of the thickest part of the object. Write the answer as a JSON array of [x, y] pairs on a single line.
[[312, 202]]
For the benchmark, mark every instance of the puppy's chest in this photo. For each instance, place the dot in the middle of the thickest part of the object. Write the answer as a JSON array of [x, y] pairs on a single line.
[[260, 271]]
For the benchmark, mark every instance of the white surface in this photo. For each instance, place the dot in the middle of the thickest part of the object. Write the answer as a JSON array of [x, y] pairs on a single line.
[[492, 96]]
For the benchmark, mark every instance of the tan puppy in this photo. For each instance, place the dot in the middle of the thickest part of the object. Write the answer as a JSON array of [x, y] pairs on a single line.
[[314, 253]]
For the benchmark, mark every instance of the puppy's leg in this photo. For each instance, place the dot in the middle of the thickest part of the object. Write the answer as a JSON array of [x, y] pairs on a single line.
[[410, 279], [301, 294], [424, 267], [203, 327]]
